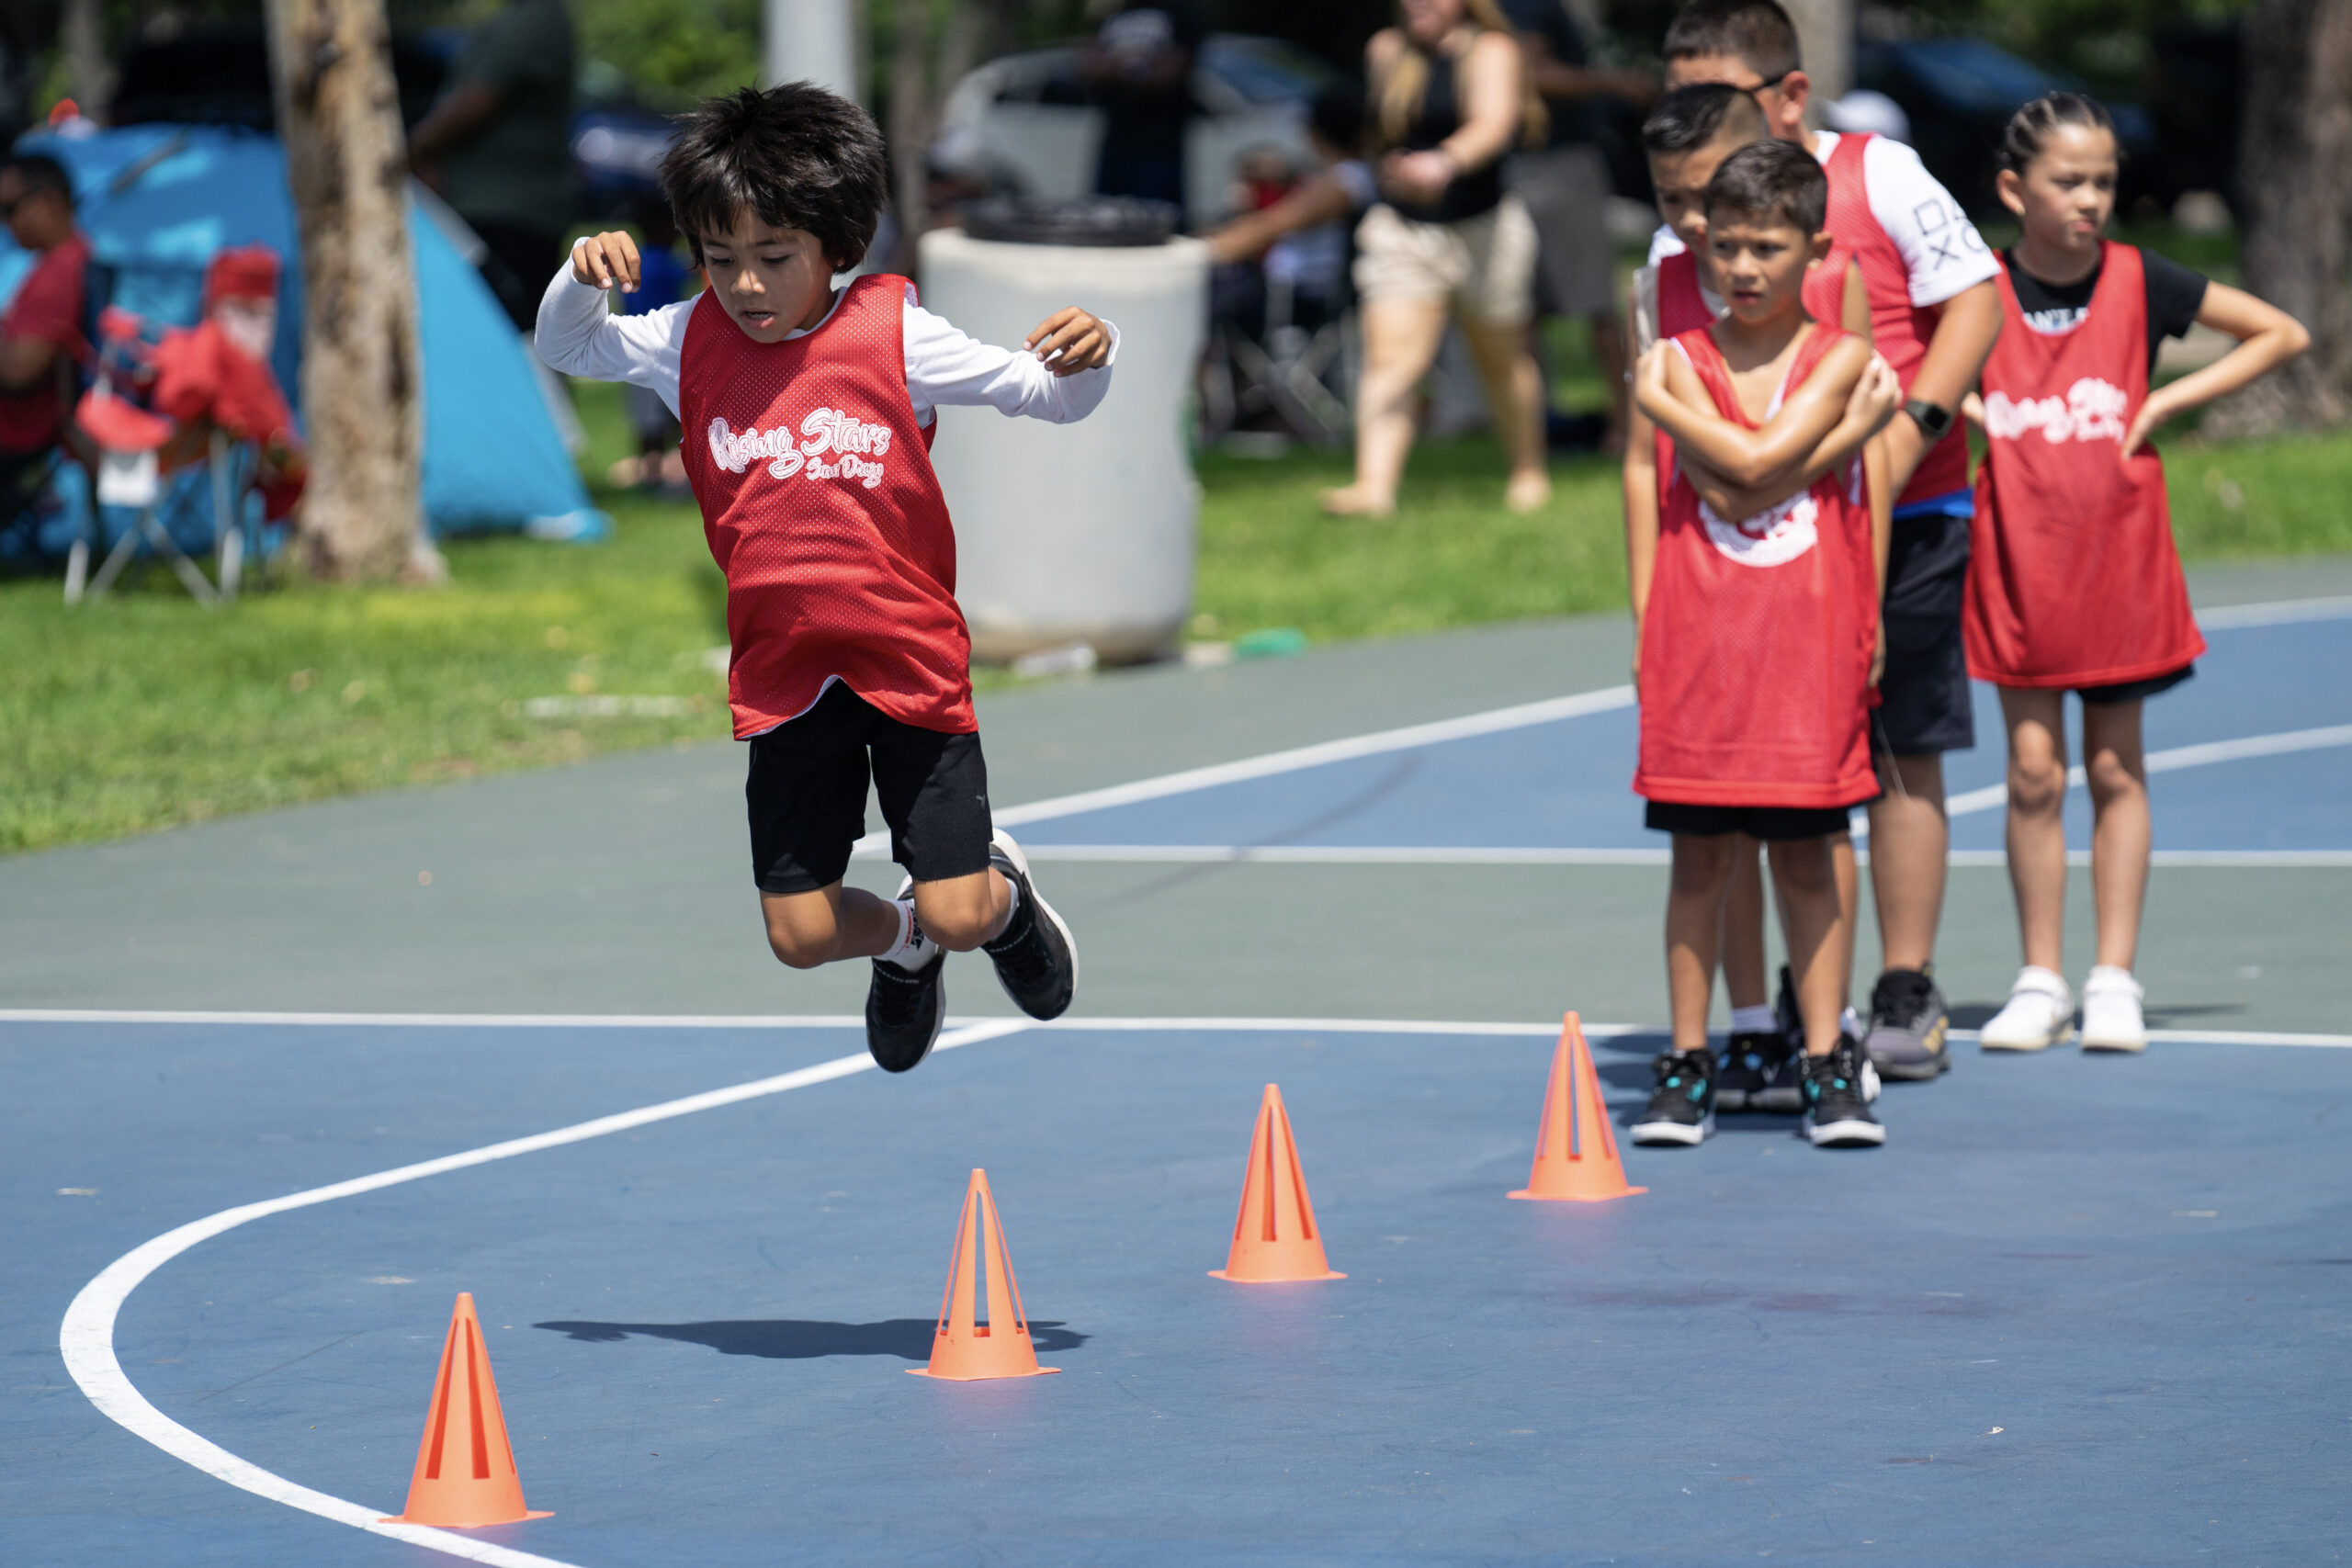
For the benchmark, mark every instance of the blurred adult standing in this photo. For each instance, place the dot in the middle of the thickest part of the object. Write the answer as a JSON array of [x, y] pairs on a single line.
[[1449, 96], [497, 147], [40, 332], [1565, 184], [1138, 69]]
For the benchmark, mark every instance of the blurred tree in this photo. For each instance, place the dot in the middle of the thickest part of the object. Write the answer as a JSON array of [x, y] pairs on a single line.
[[346, 165], [673, 51], [2296, 148]]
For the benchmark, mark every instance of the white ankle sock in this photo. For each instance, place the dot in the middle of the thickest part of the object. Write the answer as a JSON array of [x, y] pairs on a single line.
[[1757, 1020], [1850, 1022], [912, 950]]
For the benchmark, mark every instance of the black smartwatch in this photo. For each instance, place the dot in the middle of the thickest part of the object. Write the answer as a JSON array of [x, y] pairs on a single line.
[[1934, 420]]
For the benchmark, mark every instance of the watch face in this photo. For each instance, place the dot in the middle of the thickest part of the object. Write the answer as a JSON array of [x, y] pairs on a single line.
[[1932, 419]]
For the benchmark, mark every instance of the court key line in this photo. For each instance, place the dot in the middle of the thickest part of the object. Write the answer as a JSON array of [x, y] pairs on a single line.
[[1481, 854], [87, 1335]]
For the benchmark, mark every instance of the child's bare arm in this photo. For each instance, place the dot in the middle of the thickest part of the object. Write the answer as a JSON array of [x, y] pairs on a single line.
[[1669, 392], [1081, 342], [1878, 472], [2268, 338], [1873, 402]]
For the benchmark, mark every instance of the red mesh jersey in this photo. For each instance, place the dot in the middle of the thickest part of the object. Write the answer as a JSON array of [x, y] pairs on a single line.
[[2073, 580], [820, 506], [1899, 330], [1756, 647], [1680, 309]]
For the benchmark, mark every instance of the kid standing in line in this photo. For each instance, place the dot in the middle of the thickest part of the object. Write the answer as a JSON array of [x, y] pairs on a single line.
[[808, 414], [1687, 138], [1758, 629], [2074, 583], [1935, 315]]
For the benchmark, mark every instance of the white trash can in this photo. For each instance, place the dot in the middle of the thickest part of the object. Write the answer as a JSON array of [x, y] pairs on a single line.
[[1077, 532]]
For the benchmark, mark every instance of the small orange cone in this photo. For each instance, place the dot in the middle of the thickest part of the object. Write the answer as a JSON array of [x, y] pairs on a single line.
[[967, 1351], [465, 1467], [1575, 1149], [1274, 1238]]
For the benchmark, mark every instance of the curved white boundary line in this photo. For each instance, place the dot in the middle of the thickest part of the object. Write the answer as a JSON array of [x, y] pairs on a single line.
[[86, 1336]]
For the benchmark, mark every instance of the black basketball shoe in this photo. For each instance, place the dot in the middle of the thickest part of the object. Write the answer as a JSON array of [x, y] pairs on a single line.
[[903, 1011], [1682, 1107], [1037, 962], [1908, 1025], [1753, 1061], [1837, 1114]]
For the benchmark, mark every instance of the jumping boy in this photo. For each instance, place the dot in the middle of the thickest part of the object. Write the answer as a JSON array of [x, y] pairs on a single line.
[[1687, 138], [1758, 629], [1935, 314], [808, 414]]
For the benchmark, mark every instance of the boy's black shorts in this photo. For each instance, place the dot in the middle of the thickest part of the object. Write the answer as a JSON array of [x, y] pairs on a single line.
[[1924, 707], [806, 796], [1771, 824]]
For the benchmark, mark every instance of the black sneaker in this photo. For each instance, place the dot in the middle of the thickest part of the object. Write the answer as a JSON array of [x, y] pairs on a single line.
[[1037, 962], [1750, 1061], [1682, 1108], [1908, 1021], [903, 1011], [1836, 1113], [1785, 1009]]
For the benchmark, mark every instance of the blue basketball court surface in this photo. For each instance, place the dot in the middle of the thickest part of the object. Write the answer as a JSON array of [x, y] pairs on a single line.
[[2079, 1309]]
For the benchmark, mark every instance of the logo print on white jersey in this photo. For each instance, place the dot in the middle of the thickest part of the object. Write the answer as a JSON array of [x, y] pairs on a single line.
[[2092, 410], [1773, 537]]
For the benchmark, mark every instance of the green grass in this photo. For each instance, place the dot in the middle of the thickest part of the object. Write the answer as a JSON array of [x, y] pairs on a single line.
[[147, 711]]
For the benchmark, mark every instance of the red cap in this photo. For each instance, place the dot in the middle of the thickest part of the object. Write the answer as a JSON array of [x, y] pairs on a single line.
[[241, 272]]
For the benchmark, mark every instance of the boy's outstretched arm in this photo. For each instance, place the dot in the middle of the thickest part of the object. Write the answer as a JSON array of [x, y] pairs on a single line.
[[1669, 391], [946, 365], [1640, 481], [1873, 402], [579, 336], [2268, 338]]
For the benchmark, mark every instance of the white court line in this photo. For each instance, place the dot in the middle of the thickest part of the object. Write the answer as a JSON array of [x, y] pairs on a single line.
[[2276, 612], [2175, 758], [436, 1019], [1443, 854], [86, 1336], [1493, 721]]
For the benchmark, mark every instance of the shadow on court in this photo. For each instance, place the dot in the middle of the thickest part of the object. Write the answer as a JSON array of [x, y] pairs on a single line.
[[802, 1340]]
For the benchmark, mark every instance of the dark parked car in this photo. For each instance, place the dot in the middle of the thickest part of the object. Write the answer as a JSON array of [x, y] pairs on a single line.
[[1960, 93]]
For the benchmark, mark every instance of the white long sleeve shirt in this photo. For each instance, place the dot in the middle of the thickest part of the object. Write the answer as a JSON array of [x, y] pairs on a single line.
[[579, 336]]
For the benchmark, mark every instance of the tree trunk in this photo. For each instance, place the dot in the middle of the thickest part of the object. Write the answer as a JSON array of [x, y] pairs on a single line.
[[81, 29], [347, 167], [913, 119], [2296, 148]]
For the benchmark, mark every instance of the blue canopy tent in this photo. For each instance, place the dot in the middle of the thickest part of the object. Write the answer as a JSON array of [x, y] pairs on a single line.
[[159, 200]]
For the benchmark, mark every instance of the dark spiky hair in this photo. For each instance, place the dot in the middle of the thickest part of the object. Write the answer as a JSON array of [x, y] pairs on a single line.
[[1758, 31], [796, 156], [1688, 118], [1772, 179]]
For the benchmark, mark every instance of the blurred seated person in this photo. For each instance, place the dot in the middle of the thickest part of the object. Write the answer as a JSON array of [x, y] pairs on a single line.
[[1300, 237], [1137, 68], [216, 376], [40, 332]]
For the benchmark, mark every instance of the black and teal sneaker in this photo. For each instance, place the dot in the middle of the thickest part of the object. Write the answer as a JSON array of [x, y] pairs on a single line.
[[904, 1010], [1753, 1062], [1838, 1112], [1682, 1107]]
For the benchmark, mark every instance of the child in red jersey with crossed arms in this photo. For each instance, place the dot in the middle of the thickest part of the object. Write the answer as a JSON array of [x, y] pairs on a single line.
[[807, 414], [2072, 581], [1759, 629]]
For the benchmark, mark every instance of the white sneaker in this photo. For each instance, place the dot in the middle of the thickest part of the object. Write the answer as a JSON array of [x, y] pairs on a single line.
[[2111, 1018], [2040, 1013]]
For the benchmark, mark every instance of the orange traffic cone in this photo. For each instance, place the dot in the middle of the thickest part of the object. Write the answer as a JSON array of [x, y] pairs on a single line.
[[1274, 1238], [465, 1467], [966, 1351], [1575, 1149]]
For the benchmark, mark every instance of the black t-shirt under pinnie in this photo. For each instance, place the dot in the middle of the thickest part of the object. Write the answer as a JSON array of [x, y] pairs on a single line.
[[2175, 296]]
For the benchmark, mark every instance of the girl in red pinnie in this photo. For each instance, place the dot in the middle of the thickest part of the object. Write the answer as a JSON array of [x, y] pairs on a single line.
[[2074, 583]]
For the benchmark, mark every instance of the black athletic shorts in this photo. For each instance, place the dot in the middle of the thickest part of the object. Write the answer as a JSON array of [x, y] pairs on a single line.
[[1923, 697], [1771, 824], [806, 795], [2134, 691]]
